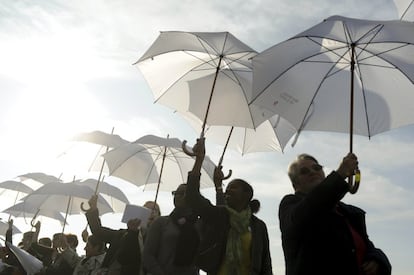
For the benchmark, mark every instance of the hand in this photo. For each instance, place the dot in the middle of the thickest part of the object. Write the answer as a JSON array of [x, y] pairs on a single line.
[[93, 202], [199, 148], [85, 235], [348, 166], [218, 176], [10, 222], [37, 226], [370, 268], [133, 224]]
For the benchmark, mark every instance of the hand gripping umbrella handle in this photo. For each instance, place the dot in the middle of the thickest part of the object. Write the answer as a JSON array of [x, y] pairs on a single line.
[[185, 150], [353, 186]]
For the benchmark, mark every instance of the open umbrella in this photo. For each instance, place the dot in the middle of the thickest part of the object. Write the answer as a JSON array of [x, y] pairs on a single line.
[[30, 263], [4, 226], [64, 197], [178, 60], [157, 161], [26, 210], [106, 141], [342, 75], [405, 9], [271, 135], [112, 194], [39, 177]]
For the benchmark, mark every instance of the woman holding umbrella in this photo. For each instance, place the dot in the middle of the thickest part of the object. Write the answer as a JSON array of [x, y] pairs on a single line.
[[238, 242]]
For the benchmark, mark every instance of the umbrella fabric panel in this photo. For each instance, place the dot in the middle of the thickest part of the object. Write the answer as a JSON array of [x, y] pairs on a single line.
[[56, 196], [26, 210], [15, 186], [310, 83], [102, 138]]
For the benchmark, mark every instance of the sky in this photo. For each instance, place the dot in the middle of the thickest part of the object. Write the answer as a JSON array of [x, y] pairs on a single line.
[[67, 67]]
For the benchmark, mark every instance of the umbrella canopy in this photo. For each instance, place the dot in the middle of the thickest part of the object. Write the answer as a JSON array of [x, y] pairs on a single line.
[[101, 138], [342, 75], [4, 226], [271, 135], [309, 79], [39, 177], [64, 197], [405, 9], [30, 264], [155, 160], [27, 210], [179, 63], [112, 194]]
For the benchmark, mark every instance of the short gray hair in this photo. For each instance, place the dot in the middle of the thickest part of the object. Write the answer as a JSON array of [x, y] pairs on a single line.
[[293, 171]]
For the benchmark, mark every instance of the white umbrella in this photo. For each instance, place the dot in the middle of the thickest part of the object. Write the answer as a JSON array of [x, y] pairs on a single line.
[[65, 197], [4, 226], [26, 210], [112, 194], [157, 161], [30, 263], [39, 177], [342, 75], [177, 60]]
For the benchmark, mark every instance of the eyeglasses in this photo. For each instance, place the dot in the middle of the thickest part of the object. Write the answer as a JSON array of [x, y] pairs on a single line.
[[306, 170], [178, 193]]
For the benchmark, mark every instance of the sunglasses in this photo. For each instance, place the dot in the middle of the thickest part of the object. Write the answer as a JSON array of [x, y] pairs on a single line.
[[306, 170], [178, 193]]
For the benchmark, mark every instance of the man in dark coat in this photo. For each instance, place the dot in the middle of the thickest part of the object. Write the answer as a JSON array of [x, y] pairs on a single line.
[[320, 234]]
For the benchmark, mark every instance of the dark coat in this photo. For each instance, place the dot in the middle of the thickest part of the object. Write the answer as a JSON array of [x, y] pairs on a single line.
[[316, 239], [216, 222], [123, 248]]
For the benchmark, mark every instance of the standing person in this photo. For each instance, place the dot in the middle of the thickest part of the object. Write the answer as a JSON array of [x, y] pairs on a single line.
[[123, 256], [94, 255], [320, 234], [238, 241], [172, 241]]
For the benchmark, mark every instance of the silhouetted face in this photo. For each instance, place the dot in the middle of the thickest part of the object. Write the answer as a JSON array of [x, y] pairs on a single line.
[[310, 174], [236, 196], [155, 211], [91, 250], [179, 196]]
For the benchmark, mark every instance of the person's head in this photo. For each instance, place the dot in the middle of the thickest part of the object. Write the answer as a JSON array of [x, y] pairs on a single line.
[[179, 195], [155, 210], [305, 173], [72, 240], [57, 240], [254, 206], [45, 241], [94, 246], [238, 194], [27, 239]]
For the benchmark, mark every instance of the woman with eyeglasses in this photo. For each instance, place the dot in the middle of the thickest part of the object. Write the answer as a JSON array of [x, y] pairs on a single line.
[[320, 234], [172, 241]]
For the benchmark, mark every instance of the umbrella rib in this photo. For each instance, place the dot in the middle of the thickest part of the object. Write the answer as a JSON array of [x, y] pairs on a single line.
[[406, 10]]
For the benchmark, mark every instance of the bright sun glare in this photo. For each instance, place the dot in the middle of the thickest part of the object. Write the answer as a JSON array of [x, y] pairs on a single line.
[[54, 104]]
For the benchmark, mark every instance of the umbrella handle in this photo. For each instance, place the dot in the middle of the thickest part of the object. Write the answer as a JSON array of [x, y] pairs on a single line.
[[353, 186], [185, 150], [83, 208], [228, 175], [32, 222]]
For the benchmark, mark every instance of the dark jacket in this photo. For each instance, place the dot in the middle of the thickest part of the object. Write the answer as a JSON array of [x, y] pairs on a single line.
[[316, 235], [124, 247], [217, 224]]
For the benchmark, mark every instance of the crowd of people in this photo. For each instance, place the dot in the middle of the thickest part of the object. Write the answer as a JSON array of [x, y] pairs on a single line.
[[320, 234]]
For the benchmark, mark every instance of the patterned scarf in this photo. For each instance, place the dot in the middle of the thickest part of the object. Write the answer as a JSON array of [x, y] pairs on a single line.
[[239, 224]]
